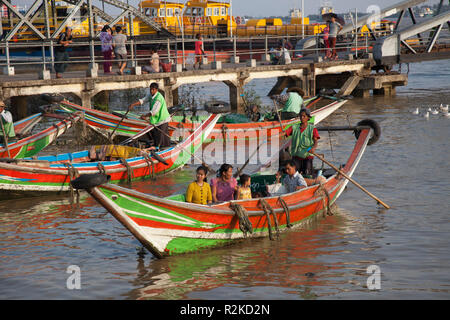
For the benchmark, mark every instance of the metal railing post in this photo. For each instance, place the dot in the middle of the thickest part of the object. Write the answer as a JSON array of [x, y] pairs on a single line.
[[234, 47], [214, 48], [251, 48]]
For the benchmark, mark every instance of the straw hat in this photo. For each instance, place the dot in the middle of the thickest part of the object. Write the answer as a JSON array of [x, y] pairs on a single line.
[[296, 89]]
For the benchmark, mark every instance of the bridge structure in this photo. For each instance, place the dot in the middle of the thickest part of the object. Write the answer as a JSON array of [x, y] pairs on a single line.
[[352, 74]]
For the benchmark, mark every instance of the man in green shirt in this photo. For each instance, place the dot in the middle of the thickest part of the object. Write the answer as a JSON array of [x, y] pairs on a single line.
[[7, 124], [158, 116], [292, 102]]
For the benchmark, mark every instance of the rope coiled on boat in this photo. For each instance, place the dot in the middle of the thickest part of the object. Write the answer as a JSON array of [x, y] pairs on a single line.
[[129, 170], [244, 223], [286, 211], [322, 191], [73, 174], [268, 211], [151, 165], [101, 168]]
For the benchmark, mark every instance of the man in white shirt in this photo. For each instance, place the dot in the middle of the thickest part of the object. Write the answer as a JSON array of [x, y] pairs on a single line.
[[7, 124]]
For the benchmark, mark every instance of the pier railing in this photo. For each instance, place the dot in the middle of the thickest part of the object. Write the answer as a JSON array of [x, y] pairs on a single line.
[[32, 57]]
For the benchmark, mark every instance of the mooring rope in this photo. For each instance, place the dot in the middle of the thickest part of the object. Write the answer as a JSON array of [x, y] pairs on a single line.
[[151, 165], [287, 211], [322, 191], [73, 173], [129, 170], [101, 168], [244, 223], [268, 210]]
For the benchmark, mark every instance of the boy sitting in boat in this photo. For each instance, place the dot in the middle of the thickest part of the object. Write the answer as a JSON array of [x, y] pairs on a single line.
[[293, 180]]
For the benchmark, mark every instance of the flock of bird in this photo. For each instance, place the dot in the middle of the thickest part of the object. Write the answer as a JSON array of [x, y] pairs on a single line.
[[442, 109]]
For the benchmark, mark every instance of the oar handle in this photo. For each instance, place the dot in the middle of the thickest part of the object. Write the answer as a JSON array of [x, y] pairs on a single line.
[[185, 149], [350, 179], [118, 124]]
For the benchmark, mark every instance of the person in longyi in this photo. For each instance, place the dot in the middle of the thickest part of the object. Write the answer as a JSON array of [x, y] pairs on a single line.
[[305, 138], [158, 116], [7, 127]]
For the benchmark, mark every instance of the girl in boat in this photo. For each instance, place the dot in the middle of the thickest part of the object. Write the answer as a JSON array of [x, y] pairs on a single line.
[[305, 138], [244, 191], [225, 185], [199, 191]]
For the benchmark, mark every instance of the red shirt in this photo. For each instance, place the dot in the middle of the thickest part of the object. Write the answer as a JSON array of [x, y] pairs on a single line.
[[198, 47], [315, 135]]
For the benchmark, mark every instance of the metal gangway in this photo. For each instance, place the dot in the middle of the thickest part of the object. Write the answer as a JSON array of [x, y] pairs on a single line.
[[388, 50]]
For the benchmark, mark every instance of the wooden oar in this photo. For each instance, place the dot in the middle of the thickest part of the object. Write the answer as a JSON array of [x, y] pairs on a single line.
[[123, 117], [203, 163], [278, 115], [5, 138], [350, 179]]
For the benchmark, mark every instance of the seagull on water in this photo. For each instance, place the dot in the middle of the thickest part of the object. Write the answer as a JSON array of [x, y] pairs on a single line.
[[444, 109], [426, 115], [416, 111], [435, 111]]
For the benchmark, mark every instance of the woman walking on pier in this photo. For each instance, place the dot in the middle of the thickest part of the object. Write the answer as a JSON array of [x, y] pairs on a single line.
[[107, 49], [199, 51]]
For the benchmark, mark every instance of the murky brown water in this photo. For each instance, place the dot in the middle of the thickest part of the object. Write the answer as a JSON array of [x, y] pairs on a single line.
[[408, 169]]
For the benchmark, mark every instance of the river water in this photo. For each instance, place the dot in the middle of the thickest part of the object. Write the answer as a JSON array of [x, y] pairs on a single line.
[[42, 237]]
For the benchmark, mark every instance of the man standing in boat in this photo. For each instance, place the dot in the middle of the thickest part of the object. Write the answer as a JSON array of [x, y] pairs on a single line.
[[7, 125], [305, 138], [292, 102], [158, 116]]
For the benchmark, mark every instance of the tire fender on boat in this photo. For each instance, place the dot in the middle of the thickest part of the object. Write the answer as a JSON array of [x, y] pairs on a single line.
[[217, 107], [376, 129], [88, 181]]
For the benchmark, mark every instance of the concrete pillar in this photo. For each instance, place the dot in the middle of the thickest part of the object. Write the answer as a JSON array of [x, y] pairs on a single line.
[[234, 60], [175, 97], [387, 90], [168, 95], [361, 93], [86, 97], [137, 71], [19, 107], [217, 65], [236, 100], [251, 63]]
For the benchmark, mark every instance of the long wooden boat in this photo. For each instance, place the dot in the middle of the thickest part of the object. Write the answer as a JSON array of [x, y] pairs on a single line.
[[167, 226], [54, 173], [106, 122], [23, 126], [31, 145]]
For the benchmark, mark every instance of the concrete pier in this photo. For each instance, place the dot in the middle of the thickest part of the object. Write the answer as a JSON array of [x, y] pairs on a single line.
[[309, 75]]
